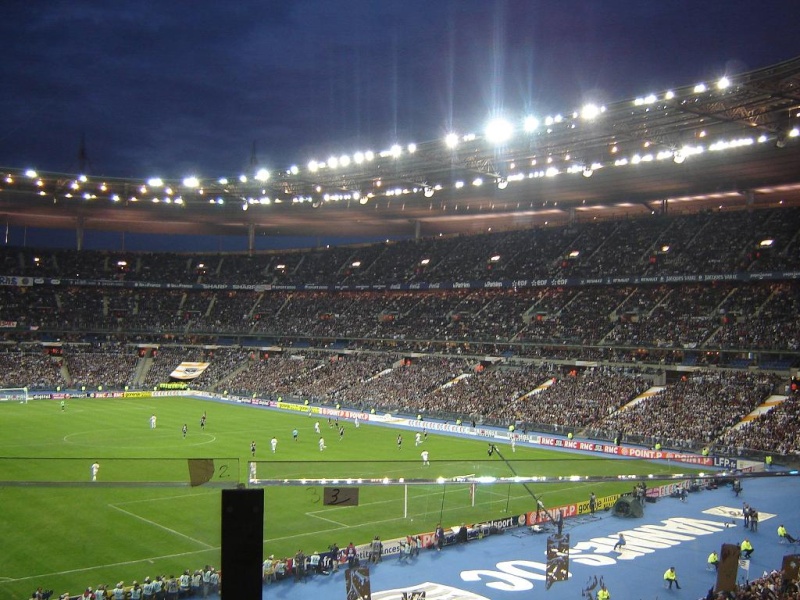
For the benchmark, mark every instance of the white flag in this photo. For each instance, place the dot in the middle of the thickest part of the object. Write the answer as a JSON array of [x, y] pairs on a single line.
[[744, 563], [189, 370]]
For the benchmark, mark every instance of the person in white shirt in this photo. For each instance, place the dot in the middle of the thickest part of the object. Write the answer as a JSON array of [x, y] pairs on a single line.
[[425, 460], [153, 422], [417, 439], [322, 444], [316, 427], [95, 469], [274, 443]]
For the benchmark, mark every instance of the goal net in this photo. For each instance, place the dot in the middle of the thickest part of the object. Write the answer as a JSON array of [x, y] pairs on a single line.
[[14, 394]]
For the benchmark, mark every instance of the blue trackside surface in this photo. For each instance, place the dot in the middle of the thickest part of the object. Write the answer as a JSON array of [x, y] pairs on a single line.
[[511, 565]]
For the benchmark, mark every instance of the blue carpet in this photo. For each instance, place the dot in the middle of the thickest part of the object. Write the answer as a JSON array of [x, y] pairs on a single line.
[[512, 565]]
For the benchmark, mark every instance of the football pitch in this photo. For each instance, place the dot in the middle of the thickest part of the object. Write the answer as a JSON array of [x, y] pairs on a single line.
[[141, 517]]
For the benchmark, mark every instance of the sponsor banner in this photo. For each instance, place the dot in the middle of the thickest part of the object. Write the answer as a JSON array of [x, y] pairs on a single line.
[[261, 402], [421, 286], [604, 448], [15, 280], [503, 522], [569, 510], [666, 490], [137, 394], [751, 466], [344, 414], [666, 455], [8, 324], [728, 464], [291, 406], [105, 394], [189, 370]]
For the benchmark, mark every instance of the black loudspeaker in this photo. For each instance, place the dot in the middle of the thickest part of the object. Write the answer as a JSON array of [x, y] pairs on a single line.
[[628, 507], [242, 542], [727, 569]]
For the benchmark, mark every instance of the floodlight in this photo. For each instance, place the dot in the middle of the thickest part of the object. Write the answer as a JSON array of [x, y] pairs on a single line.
[[498, 131], [700, 88], [358, 158], [723, 83], [590, 111], [313, 166], [678, 157], [333, 162], [411, 148], [502, 183], [530, 124], [396, 150], [344, 160], [477, 182], [587, 172], [669, 95], [451, 140], [262, 175], [428, 192], [191, 182], [31, 173]]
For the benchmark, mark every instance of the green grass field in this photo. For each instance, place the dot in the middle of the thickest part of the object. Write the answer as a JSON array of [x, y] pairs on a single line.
[[75, 533]]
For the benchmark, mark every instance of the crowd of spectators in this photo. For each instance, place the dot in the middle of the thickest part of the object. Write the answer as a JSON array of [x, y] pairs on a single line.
[[702, 409], [770, 586], [192, 583], [654, 245], [693, 411], [421, 351], [680, 316]]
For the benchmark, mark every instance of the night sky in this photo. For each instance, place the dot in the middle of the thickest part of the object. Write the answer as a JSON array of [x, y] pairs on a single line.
[[172, 88]]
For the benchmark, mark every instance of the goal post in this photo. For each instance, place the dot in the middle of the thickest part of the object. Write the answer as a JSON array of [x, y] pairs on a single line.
[[14, 394]]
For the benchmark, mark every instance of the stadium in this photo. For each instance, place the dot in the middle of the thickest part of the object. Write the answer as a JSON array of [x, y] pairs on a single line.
[[607, 298]]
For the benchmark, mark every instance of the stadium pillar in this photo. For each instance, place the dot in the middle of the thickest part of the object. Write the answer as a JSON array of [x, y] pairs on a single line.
[[242, 542], [251, 238], [79, 224]]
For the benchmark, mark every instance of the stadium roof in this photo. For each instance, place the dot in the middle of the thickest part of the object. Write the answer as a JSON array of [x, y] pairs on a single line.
[[730, 143]]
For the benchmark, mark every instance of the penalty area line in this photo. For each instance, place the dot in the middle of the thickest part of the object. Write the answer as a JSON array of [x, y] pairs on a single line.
[[316, 516], [164, 527]]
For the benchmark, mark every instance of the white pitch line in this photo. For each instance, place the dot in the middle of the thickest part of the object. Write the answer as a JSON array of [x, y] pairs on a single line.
[[311, 514], [143, 500], [164, 527], [106, 566]]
